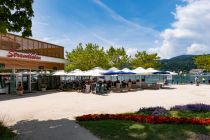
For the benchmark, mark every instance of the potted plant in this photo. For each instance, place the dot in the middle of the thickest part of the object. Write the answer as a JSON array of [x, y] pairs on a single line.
[[43, 87], [20, 89]]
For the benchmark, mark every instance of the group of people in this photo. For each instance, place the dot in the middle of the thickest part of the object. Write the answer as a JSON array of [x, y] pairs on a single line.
[[87, 86], [98, 87], [197, 81]]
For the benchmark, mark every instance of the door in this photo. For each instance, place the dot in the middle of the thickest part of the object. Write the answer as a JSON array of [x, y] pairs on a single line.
[[25, 80]]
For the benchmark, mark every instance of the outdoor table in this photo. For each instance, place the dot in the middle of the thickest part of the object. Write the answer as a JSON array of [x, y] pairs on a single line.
[[87, 88], [150, 86], [138, 84], [129, 85], [118, 85]]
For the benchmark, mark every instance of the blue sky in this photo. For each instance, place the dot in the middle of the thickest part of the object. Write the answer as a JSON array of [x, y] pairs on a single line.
[[134, 24]]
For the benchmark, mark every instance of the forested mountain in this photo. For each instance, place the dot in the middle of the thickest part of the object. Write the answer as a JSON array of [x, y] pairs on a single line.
[[179, 63]]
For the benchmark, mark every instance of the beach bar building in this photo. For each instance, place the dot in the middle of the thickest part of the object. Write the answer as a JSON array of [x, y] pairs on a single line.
[[21, 57]]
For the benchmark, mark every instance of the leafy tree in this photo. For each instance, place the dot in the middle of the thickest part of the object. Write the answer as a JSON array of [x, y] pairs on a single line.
[[203, 62], [145, 60], [118, 57], [16, 16], [87, 58]]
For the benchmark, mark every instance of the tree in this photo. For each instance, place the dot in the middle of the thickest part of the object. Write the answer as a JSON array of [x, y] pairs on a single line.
[[87, 58], [118, 57], [16, 16], [145, 60], [202, 62]]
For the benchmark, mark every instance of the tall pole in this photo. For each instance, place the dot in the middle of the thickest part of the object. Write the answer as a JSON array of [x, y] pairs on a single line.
[[14, 81], [29, 81]]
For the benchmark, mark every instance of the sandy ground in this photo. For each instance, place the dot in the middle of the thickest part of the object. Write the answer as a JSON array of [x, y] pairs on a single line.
[[59, 106]]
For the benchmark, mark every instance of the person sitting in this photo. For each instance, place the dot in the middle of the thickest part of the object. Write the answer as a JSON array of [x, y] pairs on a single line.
[[166, 82], [20, 89], [138, 83], [129, 84], [109, 85], [124, 84], [118, 85], [62, 86], [93, 87], [87, 87]]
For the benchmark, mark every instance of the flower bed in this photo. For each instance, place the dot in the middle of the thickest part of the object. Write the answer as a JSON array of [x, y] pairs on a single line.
[[153, 111], [144, 119], [192, 107]]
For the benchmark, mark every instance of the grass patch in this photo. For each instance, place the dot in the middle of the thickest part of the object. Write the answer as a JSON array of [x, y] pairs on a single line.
[[129, 130], [190, 114], [6, 133]]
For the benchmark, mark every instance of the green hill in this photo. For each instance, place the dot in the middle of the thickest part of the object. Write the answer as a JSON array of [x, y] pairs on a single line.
[[179, 63]]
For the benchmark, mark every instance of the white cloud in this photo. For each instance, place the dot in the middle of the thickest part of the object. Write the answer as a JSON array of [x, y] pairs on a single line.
[[191, 28], [198, 49], [120, 18], [114, 15]]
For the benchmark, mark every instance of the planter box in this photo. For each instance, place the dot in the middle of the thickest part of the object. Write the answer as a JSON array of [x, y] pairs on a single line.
[[20, 92], [43, 89]]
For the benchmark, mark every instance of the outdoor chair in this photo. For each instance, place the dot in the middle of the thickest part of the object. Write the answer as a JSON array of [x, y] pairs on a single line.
[[151, 86], [97, 88], [138, 84], [118, 87], [135, 87], [87, 88], [93, 88], [129, 85], [104, 88]]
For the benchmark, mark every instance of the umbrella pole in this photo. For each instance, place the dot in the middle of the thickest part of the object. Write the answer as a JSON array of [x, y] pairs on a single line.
[[140, 80], [111, 81]]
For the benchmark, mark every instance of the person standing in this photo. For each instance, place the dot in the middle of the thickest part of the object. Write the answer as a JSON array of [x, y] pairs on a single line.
[[203, 80], [196, 81]]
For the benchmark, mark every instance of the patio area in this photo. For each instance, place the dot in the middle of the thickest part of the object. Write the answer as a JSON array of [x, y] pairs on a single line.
[[60, 105]]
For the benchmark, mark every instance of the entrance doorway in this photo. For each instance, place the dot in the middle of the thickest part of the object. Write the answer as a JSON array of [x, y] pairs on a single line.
[[30, 80], [25, 82]]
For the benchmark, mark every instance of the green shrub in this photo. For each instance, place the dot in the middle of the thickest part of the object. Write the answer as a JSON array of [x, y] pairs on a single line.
[[6, 133]]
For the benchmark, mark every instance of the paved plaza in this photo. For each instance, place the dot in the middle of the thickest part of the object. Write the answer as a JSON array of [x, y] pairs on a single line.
[[57, 110]]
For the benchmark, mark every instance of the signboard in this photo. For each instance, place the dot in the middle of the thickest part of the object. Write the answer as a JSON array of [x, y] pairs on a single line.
[[14, 54], [10, 54]]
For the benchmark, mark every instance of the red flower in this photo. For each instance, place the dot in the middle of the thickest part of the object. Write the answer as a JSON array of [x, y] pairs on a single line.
[[143, 118]]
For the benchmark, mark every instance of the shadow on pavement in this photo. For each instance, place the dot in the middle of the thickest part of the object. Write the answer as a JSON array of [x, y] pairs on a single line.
[[168, 88], [26, 95], [62, 129]]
